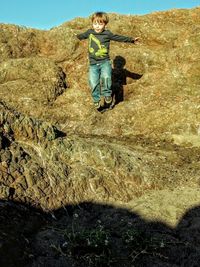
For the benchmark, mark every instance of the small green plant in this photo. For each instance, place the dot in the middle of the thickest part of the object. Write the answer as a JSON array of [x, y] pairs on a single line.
[[89, 245], [141, 242]]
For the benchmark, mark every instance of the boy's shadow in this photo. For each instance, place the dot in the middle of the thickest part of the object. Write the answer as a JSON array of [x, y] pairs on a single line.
[[119, 78]]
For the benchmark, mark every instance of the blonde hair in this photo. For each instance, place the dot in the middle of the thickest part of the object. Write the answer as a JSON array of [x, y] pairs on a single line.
[[101, 17]]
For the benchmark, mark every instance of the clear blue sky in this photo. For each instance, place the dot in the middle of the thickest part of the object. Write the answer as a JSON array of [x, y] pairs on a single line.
[[45, 14]]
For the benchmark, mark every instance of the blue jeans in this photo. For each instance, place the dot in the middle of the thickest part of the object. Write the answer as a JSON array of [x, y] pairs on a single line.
[[100, 80]]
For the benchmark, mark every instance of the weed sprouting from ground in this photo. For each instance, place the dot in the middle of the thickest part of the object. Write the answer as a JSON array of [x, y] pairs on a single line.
[[100, 246], [92, 246], [141, 242]]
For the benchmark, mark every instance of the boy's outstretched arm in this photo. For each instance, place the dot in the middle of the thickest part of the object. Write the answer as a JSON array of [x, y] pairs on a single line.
[[136, 40], [122, 38], [83, 35]]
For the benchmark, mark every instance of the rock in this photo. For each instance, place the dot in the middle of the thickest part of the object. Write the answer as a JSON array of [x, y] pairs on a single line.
[[56, 150], [27, 81], [18, 42], [6, 156], [26, 127]]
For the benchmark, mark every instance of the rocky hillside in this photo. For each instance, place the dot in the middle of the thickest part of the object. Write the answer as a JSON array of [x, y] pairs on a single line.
[[56, 150]]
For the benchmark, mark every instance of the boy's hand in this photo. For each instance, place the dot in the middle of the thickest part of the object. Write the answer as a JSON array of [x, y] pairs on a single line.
[[136, 40]]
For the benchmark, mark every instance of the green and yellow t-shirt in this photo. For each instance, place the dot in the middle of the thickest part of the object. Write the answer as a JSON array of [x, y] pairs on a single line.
[[99, 43]]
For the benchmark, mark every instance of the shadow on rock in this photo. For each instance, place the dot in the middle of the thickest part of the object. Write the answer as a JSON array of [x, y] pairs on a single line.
[[91, 234], [119, 78]]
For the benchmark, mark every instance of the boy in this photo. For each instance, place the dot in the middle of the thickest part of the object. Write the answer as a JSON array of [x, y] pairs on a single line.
[[100, 69]]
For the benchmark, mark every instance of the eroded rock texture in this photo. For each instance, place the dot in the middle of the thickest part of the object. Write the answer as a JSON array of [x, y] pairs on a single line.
[[57, 150]]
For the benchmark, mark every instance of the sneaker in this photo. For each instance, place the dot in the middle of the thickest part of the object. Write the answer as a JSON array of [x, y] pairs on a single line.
[[97, 105], [108, 99]]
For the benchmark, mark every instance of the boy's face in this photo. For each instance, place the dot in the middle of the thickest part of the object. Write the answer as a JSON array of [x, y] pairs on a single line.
[[98, 26]]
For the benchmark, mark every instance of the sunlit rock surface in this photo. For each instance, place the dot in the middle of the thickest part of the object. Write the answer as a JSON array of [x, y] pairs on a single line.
[[143, 155]]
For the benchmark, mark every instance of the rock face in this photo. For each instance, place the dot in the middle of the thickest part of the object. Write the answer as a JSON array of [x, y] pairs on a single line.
[[56, 150], [157, 96], [41, 165], [27, 81]]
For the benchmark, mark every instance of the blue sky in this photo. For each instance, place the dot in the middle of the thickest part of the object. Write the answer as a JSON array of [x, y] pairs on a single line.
[[45, 14]]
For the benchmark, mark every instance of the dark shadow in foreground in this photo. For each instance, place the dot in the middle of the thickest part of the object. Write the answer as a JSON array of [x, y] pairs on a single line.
[[119, 78], [91, 234]]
